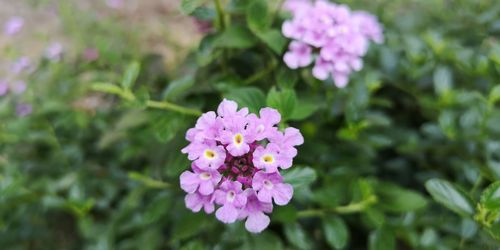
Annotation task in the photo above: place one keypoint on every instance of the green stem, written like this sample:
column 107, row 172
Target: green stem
column 257, row 76
column 347, row 209
column 220, row 14
column 173, row 107
column 277, row 10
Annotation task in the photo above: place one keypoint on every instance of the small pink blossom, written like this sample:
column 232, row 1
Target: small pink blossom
column 23, row 109
column 335, row 36
column 4, row 87
column 236, row 158
column 13, row 26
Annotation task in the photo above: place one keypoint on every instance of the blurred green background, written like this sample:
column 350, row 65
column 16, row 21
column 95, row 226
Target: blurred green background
column 406, row 157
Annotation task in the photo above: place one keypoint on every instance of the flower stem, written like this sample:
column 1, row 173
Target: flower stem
column 173, row 107
column 220, row 14
column 347, row 209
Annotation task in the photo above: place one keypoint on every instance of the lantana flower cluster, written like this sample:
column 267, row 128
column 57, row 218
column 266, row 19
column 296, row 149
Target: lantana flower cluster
column 236, row 158
column 331, row 35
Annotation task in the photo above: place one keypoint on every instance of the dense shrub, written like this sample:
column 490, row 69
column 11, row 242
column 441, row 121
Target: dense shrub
column 406, row 156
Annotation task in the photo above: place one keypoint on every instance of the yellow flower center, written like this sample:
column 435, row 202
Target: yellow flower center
column 210, row 154
column 268, row 158
column 238, row 139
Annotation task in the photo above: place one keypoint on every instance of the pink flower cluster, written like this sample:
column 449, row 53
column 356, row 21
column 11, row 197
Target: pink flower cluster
column 332, row 35
column 236, row 160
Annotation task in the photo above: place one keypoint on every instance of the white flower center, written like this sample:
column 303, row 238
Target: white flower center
column 205, row 176
column 268, row 184
column 230, row 196
column 260, row 128
column 210, row 154
column 238, row 139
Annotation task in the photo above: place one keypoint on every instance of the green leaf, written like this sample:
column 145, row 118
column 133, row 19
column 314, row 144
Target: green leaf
column 300, row 176
column 188, row 6
column 443, row 80
column 257, row 16
column 131, row 74
column 297, row 236
column 167, row 126
column 146, row 180
column 382, row 239
column 396, row 199
column 490, row 198
column 178, row 88
column 250, row 97
column 494, row 95
column 236, row 37
column 285, row 77
column 449, row 196
column 336, row 232
column 284, row 214
column 303, row 110
column 284, row 101
column 107, row 88
column 274, row 39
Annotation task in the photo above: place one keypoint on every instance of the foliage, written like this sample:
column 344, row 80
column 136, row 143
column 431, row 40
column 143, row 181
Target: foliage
column 407, row 156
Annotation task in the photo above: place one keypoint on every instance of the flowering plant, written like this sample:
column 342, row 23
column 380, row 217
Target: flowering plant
column 337, row 37
column 236, row 160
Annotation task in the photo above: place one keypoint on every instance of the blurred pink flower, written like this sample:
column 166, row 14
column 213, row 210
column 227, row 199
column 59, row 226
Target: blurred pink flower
column 54, row 51
column 91, row 54
column 23, row 109
column 115, row 4
column 4, row 87
column 20, row 65
column 13, row 26
column 19, row 87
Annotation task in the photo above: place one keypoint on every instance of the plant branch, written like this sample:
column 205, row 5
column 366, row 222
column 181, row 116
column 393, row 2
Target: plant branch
column 347, row 209
column 173, row 107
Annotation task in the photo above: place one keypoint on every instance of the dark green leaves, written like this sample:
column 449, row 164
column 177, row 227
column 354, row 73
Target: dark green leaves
column 450, row 196
column 283, row 100
column 297, row 236
column 257, row 17
column 236, row 37
column 299, row 176
column 382, row 239
column 250, row 97
column 336, row 232
column 396, row 199
column 443, row 80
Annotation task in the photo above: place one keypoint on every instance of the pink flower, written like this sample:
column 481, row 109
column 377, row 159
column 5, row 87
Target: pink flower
column 232, row 153
column 115, row 4
column 13, row 26
column 54, row 51
column 271, row 187
column 337, row 37
column 254, row 212
column 4, row 87
column 231, row 197
column 23, row 109
column 19, row 87
column 299, row 55
column 20, row 65
column 202, row 181
column 196, row 201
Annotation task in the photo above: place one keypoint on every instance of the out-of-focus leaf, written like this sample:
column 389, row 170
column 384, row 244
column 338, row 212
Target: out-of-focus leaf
column 274, row 39
column 336, row 232
column 490, row 198
column 297, row 236
column 299, row 176
column 303, row 110
column 382, row 239
column 284, row 101
column 443, row 80
column 147, row 181
column 494, row 95
column 449, row 196
column 397, row 199
column 178, row 88
column 107, row 88
column 250, row 97
column 257, row 17
column 236, row 37
column 130, row 75
column 188, row 6
column 286, row 78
